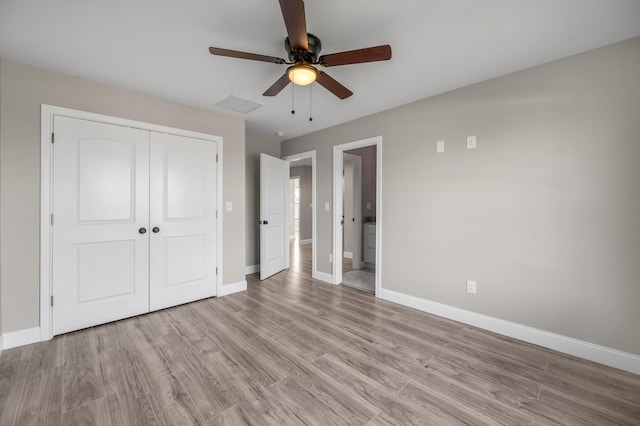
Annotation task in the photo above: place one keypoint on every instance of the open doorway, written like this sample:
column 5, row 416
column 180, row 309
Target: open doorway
column 356, row 214
column 358, row 199
column 351, row 211
column 301, row 222
column 294, row 205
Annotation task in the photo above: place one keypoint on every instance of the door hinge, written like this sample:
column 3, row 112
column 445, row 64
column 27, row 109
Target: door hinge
column 51, row 300
column 53, row 137
column 216, row 270
column 216, row 214
column 216, row 158
column 51, row 219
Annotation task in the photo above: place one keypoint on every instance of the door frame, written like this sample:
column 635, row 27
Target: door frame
column 338, row 158
column 47, row 114
column 356, row 235
column 295, row 157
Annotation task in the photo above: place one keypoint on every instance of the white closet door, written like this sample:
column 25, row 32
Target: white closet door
column 182, row 220
column 100, row 206
column 274, row 240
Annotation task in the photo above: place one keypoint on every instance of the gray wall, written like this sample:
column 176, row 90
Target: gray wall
column 544, row 214
column 304, row 172
column 22, row 90
column 255, row 145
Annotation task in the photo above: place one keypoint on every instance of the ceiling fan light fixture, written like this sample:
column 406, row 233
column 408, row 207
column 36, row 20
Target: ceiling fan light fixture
column 302, row 74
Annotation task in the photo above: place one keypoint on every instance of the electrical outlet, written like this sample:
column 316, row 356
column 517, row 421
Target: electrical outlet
column 439, row 146
column 471, row 287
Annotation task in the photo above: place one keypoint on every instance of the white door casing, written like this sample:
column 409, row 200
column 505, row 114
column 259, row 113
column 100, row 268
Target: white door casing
column 183, row 237
column 274, row 241
column 338, row 158
column 100, row 258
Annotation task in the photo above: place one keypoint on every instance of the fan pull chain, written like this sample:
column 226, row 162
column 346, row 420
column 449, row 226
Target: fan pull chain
column 311, row 102
column 293, row 89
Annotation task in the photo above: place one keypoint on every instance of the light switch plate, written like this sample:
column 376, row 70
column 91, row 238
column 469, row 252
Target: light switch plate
column 439, row 146
column 368, row 206
column 471, row 142
column 326, row 206
column 229, row 206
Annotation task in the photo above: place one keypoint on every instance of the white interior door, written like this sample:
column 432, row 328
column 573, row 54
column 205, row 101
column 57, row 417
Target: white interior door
column 274, row 242
column 100, row 223
column 182, row 220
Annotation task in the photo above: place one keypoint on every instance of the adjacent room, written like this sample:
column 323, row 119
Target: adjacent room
column 320, row 212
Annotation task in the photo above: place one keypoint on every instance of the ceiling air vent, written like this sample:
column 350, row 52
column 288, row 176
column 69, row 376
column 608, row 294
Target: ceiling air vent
column 236, row 104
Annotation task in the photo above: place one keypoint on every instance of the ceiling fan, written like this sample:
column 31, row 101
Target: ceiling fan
column 303, row 50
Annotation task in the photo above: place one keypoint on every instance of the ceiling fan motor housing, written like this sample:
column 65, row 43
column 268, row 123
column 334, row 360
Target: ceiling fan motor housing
column 309, row 56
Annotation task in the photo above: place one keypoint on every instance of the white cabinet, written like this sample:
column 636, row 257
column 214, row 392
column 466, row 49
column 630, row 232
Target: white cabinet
column 370, row 243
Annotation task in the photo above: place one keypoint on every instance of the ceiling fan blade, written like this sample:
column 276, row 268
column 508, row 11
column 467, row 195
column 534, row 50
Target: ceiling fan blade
column 278, row 86
column 244, row 55
column 358, row 56
column 326, row 81
column 295, row 21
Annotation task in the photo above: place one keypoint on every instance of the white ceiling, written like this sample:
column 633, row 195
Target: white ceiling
column 159, row 47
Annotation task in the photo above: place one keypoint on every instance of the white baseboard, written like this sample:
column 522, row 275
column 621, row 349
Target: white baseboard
column 601, row 354
column 20, row 338
column 233, row 288
column 303, row 242
column 348, row 255
column 322, row 276
column 252, row 269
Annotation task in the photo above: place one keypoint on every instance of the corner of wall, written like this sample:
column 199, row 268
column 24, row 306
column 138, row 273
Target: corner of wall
column 251, row 269
column 228, row 289
column 254, row 145
column 20, row 338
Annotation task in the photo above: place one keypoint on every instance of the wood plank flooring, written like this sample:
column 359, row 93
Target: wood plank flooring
column 292, row 350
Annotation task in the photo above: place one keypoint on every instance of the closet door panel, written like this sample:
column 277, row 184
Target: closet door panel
column 183, row 201
column 100, row 260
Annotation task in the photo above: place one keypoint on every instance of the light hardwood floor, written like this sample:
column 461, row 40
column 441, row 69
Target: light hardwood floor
column 296, row 351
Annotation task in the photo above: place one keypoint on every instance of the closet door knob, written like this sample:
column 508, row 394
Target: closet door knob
column 155, row 229
column 142, row 230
